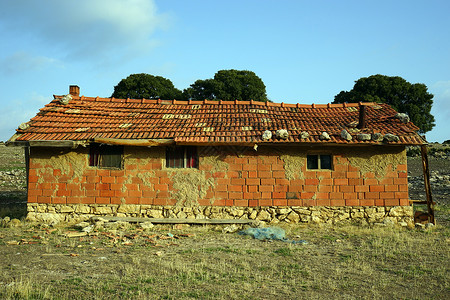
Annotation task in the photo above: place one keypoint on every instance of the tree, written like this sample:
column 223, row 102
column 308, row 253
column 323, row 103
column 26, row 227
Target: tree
column 147, row 86
column 229, row 85
column 413, row 99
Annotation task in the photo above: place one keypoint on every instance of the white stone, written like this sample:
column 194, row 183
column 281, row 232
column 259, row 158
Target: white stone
column 282, row 134
column 324, row 136
column 267, row 135
column 345, row 135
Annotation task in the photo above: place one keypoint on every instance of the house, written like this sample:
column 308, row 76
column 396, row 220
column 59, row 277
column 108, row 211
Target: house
column 275, row 162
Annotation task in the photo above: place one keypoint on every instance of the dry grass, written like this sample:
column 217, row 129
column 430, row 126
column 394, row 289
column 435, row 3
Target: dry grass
column 338, row 263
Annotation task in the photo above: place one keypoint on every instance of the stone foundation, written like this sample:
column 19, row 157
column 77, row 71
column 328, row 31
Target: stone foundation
column 364, row 215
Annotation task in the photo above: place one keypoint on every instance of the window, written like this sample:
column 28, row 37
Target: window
column 181, row 157
column 318, row 162
column 105, row 156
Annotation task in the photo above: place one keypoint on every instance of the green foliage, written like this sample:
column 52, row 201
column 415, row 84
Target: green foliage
column 137, row 86
column 414, row 99
column 228, row 85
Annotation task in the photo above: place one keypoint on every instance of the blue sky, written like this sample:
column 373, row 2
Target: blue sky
column 304, row 51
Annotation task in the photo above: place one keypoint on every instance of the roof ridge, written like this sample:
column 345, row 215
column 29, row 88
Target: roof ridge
column 218, row 102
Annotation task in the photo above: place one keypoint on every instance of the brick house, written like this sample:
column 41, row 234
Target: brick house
column 217, row 159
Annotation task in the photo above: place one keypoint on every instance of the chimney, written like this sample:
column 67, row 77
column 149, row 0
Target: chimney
column 74, row 90
column 362, row 117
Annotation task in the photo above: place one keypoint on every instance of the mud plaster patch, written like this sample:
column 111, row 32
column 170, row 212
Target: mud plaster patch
column 293, row 165
column 189, row 186
column 377, row 161
column 216, row 162
column 67, row 162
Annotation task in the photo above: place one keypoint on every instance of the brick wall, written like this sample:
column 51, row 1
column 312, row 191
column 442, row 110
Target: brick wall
column 270, row 176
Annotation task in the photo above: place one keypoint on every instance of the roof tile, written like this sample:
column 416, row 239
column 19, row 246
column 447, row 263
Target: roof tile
column 210, row 121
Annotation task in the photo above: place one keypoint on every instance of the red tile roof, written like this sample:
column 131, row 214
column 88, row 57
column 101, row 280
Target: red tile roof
column 206, row 122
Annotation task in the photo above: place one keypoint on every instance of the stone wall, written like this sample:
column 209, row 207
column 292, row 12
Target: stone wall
column 227, row 176
column 364, row 215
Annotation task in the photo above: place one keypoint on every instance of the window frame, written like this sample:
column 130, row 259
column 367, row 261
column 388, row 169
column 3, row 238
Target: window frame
column 181, row 157
column 319, row 161
column 99, row 152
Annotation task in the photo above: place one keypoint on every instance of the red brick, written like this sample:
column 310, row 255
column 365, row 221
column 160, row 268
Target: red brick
column 92, row 193
column 219, row 202
column 391, row 174
column 294, row 202
column 44, row 199
column 367, row 202
column 265, row 174
column 379, row 202
column 280, row 188
column 391, row 188
column 247, row 195
column 229, row 202
column 263, row 167
column 372, row 195
column 323, row 195
column 376, row 188
column 32, row 199
column 240, row 202
column 402, row 175
column 277, row 167
column 346, row 188
column 34, row 192
column 350, row 195
column 265, row 188
column 343, row 181
column 278, row 174
column 88, row 200
column 235, row 195
column 400, row 181
column 403, row 188
column 133, row 193
column 62, row 193
column 160, row 201
column 117, row 173
column 279, row 202
column 326, row 181
column 220, row 194
column 323, row 174
column 237, row 181
column 252, row 188
column 102, row 200
column 266, row 195
column 235, row 188
column 249, row 167
column 279, row 195
column 204, row 202
column 102, row 186
column 404, row 202
column 233, row 174
column 162, row 194
column 337, row 202
column 92, row 179
column 73, row 200
column 355, row 181
column 252, row 174
column 402, row 167
column 267, row 181
column 399, row 195
column 361, row 188
column 391, row 202
column 311, row 181
column 336, row 195
column 33, row 178
column 352, row 202
column 306, row 195
column 265, row 202
column 370, row 181
column 369, row 175
column 325, row 188
column 310, row 188
column 387, row 195
column 352, row 168
column 235, row 167
column 77, row 193
column 353, row 175
column 310, row 174
column 281, row 181
column 253, row 202
column 323, row 202
column 59, row 200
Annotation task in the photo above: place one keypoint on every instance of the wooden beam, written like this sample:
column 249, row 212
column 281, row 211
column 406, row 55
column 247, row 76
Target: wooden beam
column 426, row 178
column 172, row 221
column 131, row 142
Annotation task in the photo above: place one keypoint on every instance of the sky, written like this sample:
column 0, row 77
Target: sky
column 304, row 51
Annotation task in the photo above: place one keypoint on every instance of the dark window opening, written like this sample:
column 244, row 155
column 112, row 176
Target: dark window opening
column 105, row 156
column 181, row 157
column 319, row 162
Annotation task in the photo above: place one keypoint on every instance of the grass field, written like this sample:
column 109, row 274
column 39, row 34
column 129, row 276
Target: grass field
column 204, row 263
